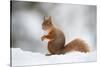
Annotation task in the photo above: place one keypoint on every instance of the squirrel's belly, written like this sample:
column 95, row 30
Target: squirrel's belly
column 54, row 47
column 51, row 48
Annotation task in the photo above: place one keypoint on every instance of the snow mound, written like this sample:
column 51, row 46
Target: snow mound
column 22, row 58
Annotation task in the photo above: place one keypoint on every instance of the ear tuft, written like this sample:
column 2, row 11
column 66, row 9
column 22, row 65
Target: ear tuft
column 49, row 17
column 44, row 17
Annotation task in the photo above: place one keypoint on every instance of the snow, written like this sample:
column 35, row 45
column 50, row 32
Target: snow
column 22, row 58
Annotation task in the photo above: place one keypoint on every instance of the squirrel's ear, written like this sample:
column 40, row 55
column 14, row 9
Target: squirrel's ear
column 50, row 20
column 44, row 17
column 49, row 17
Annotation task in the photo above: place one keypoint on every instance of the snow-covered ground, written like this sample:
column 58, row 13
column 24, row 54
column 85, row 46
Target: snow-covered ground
column 22, row 58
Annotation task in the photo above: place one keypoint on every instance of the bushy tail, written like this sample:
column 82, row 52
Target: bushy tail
column 76, row 45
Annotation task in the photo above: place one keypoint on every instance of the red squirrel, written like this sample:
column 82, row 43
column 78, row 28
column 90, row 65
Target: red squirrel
column 56, row 43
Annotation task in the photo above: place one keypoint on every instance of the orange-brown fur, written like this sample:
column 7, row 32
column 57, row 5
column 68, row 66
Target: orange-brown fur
column 56, row 43
column 76, row 45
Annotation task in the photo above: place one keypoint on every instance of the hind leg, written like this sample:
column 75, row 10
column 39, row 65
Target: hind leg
column 60, row 52
column 49, row 54
column 57, row 53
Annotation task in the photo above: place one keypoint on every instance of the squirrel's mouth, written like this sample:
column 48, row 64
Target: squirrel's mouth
column 44, row 28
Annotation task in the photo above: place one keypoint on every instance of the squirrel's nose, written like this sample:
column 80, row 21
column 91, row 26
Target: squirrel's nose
column 43, row 28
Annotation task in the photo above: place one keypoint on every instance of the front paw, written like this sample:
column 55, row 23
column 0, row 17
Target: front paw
column 43, row 37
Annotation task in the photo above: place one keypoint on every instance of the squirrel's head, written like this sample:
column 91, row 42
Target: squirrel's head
column 47, row 23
